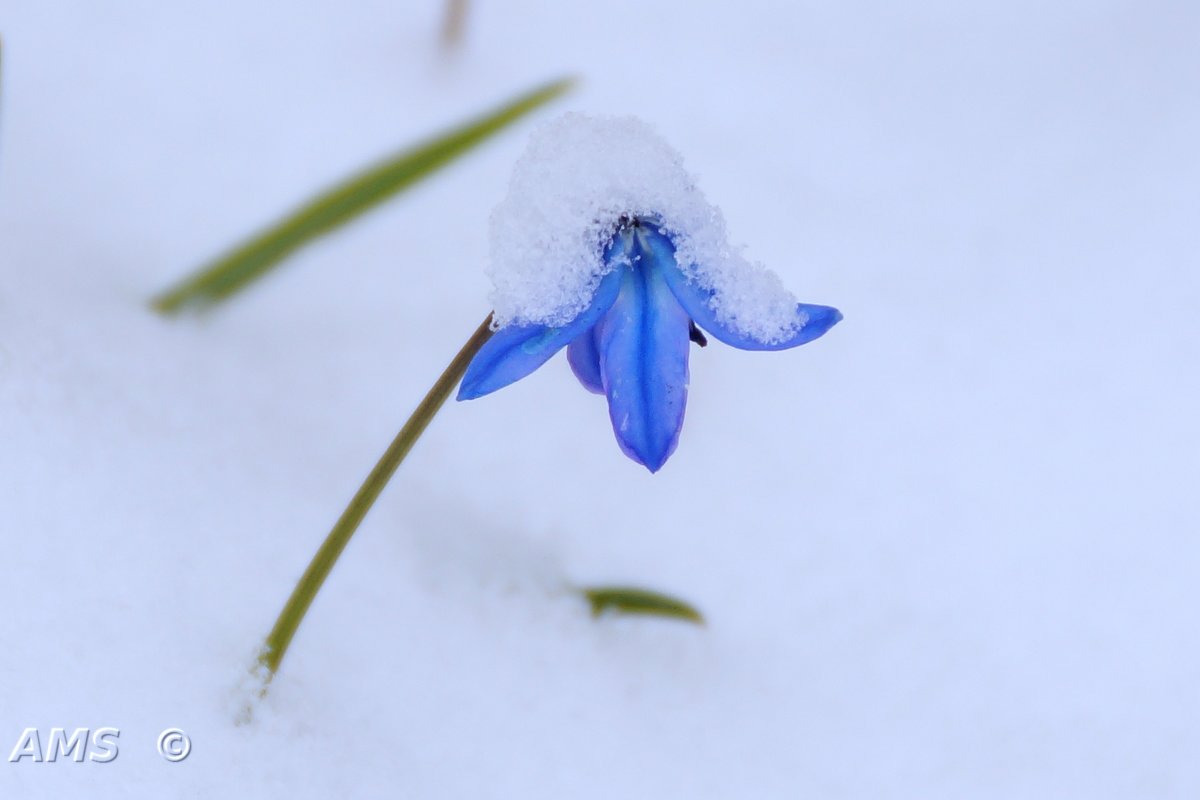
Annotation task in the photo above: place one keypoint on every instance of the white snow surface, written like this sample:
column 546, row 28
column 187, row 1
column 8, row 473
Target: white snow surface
column 948, row 551
column 578, row 177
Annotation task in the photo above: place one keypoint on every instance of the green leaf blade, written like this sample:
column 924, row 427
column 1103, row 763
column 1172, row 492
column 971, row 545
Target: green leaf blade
column 345, row 201
column 632, row 600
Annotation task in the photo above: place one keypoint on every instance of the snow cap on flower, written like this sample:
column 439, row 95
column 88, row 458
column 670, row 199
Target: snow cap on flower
column 579, row 176
column 605, row 247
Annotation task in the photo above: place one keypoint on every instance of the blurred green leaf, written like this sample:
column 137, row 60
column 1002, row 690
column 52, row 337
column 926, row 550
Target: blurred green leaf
column 343, row 202
column 631, row 600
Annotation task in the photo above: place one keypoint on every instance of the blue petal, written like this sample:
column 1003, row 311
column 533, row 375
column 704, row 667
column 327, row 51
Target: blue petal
column 813, row 321
column 514, row 351
column 643, row 344
column 584, row 359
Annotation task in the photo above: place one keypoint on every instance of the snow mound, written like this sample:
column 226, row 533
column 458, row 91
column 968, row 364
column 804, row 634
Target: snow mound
column 577, row 178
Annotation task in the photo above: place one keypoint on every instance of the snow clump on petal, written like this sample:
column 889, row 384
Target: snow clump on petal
column 578, row 177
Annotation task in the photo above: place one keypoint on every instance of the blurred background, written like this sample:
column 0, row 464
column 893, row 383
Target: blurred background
column 947, row 551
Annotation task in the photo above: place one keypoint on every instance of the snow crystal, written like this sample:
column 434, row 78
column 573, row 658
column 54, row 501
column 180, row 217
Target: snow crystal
column 577, row 178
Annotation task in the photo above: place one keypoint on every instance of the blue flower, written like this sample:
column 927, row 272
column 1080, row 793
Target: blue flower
column 631, row 341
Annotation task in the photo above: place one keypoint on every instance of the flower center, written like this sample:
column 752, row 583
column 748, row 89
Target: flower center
column 628, row 236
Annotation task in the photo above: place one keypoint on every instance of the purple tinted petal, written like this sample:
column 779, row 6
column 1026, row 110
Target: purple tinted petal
column 514, row 351
column 812, row 321
column 643, row 344
column 584, row 359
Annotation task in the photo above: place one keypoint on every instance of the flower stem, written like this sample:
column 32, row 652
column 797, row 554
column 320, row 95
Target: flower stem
column 453, row 22
column 318, row 569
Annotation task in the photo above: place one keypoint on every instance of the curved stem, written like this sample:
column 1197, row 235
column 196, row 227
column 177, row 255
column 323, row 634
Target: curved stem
column 310, row 583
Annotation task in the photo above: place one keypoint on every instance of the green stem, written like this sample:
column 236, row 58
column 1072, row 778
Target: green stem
column 310, row 583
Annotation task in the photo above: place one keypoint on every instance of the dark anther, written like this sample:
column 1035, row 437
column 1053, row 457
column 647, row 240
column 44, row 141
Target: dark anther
column 696, row 336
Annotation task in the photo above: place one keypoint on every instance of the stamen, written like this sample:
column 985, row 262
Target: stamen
column 696, row 335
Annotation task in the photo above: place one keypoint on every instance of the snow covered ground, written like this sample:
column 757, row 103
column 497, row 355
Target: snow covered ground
column 950, row 550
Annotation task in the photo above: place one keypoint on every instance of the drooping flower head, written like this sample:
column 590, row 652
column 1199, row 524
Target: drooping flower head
column 605, row 246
